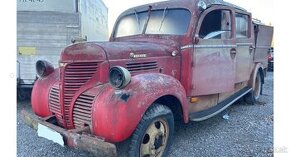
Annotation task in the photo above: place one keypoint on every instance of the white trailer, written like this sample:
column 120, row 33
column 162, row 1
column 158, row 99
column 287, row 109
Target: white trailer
column 45, row 27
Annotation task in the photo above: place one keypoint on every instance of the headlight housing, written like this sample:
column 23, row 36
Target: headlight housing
column 43, row 68
column 119, row 77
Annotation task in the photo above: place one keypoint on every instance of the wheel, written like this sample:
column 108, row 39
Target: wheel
column 154, row 134
column 253, row 96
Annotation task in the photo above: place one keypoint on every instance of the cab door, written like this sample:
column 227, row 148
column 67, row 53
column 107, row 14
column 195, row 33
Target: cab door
column 214, row 55
column 245, row 46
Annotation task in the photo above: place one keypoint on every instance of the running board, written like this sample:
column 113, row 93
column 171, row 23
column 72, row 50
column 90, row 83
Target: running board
column 203, row 115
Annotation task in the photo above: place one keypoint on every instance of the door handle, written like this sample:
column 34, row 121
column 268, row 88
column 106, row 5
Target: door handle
column 251, row 48
column 233, row 51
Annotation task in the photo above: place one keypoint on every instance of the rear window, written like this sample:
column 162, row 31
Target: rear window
column 242, row 26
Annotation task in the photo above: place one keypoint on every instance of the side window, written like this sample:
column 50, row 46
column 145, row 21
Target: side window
column 242, row 26
column 216, row 25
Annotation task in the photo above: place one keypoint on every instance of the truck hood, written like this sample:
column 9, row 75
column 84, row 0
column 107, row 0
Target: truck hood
column 92, row 51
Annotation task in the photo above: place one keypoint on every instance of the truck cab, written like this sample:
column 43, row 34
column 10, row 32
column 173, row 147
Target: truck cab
column 169, row 60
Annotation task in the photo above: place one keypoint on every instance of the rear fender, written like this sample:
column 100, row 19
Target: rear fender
column 116, row 113
column 257, row 67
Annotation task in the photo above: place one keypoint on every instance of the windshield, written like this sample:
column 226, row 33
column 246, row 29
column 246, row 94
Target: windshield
column 163, row 21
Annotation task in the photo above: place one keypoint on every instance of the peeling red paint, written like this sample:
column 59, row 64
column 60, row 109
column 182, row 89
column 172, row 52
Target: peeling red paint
column 181, row 66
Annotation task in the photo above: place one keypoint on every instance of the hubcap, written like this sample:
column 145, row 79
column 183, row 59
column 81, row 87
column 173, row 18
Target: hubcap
column 155, row 139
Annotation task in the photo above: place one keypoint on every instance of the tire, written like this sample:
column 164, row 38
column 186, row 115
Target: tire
column 154, row 134
column 254, row 95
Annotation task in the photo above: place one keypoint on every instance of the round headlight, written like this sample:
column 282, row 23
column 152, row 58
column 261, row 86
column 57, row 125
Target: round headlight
column 43, row 68
column 119, row 77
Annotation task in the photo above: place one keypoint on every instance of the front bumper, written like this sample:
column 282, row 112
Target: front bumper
column 73, row 138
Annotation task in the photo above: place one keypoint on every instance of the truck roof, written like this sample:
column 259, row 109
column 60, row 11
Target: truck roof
column 189, row 4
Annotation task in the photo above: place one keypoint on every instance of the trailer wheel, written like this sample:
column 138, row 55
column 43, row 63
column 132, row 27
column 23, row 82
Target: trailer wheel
column 154, row 134
column 254, row 95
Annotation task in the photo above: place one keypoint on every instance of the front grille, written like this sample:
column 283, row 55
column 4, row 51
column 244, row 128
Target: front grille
column 82, row 110
column 141, row 66
column 54, row 104
column 75, row 76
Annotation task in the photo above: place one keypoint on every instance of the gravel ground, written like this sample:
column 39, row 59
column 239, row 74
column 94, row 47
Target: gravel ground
column 247, row 132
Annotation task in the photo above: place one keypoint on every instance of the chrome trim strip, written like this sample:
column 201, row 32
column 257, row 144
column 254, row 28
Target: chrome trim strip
column 223, row 108
column 220, row 46
column 215, row 46
column 244, row 44
column 263, row 47
column 186, row 47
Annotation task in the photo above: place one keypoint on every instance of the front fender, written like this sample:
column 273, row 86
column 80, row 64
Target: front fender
column 40, row 92
column 116, row 113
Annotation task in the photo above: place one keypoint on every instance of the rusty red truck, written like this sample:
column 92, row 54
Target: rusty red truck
column 187, row 60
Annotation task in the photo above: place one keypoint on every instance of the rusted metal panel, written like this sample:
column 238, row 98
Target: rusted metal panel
column 213, row 62
column 238, row 87
column 245, row 45
column 213, row 68
column 203, row 103
column 244, row 60
column 74, row 138
column 263, row 39
column 126, row 107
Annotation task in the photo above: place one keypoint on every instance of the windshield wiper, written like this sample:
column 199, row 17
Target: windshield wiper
column 163, row 17
column 137, row 18
column 147, row 20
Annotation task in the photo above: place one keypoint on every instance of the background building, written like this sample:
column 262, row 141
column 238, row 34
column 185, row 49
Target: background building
column 45, row 27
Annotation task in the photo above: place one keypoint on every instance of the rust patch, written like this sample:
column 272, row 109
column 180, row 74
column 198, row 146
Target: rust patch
column 77, row 138
column 125, row 97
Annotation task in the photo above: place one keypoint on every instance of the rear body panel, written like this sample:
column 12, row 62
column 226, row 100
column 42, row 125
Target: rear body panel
column 263, row 43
